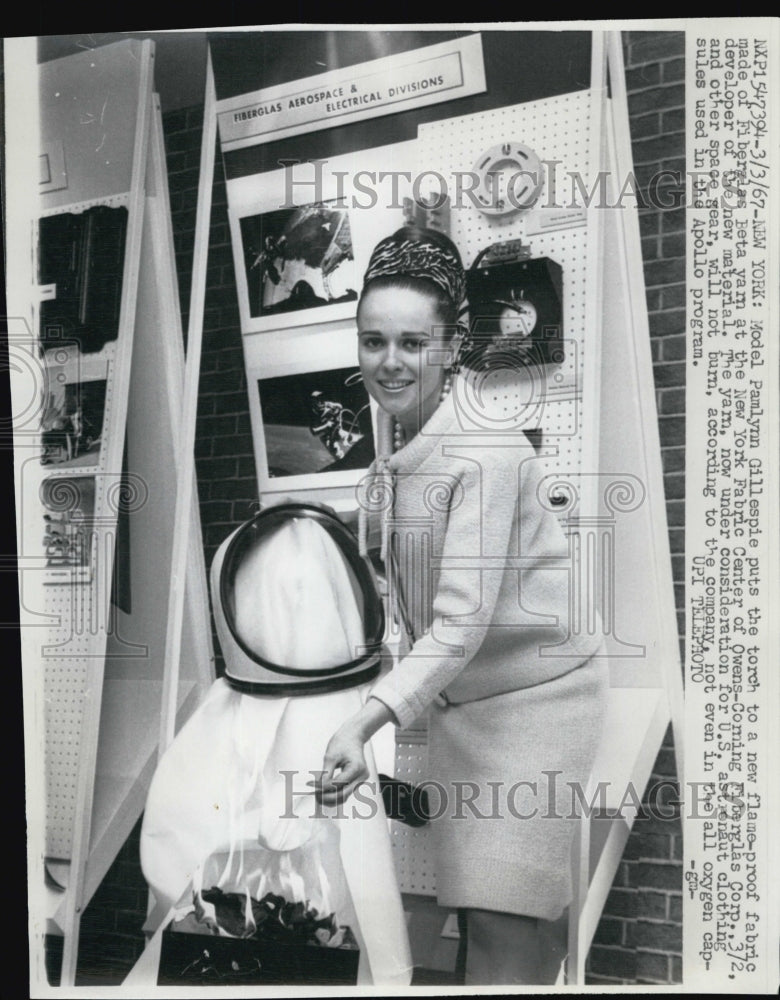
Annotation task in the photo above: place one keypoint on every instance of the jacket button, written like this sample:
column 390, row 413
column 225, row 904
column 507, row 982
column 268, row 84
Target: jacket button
column 442, row 700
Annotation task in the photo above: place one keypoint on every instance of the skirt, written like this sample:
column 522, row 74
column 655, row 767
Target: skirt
column 506, row 771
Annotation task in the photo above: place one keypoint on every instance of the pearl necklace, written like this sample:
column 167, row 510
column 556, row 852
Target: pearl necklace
column 399, row 435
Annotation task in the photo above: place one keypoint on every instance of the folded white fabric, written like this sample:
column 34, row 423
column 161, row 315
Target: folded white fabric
column 234, row 775
column 233, row 785
column 295, row 604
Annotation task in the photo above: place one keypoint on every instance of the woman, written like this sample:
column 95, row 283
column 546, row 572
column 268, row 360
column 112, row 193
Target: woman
column 478, row 572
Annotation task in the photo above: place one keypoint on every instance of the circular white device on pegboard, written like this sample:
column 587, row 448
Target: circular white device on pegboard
column 497, row 196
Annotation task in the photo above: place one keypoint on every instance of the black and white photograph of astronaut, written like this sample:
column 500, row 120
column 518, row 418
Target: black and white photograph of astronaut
column 316, row 422
column 298, row 258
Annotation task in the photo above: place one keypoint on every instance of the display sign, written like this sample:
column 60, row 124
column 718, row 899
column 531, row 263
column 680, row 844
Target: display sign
column 384, row 86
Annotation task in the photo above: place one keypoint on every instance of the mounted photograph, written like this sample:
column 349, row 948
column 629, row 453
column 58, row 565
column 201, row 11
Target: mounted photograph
column 299, row 258
column 69, row 510
column 72, row 424
column 316, row 422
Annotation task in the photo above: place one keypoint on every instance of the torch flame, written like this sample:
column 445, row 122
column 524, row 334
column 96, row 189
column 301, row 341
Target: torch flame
column 249, row 919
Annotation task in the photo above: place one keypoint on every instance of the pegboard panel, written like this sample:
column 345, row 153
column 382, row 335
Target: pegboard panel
column 71, row 635
column 74, row 640
column 77, row 609
column 65, row 686
column 559, row 130
column 549, row 400
column 556, row 412
column 74, row 643
column 411, row 845
column 95, row 110
column 110, row 201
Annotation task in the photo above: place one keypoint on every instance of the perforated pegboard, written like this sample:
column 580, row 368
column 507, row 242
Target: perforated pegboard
column 76, row 599
column 76, row 208
column 89, row 109
column 75, row 639
column 559, row 130
column 64, row 685
column 411, row 847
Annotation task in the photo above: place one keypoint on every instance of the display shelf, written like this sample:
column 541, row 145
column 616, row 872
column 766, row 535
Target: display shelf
column 106, row 683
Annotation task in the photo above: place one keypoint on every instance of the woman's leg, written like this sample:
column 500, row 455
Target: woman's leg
column 507, row 949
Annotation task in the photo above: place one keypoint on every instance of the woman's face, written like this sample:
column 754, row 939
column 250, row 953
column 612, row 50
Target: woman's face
column 401, row 352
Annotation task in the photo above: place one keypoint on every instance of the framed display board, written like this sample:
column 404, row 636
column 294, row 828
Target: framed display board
column 311, row 415
column 95, row 466
column 302, row 236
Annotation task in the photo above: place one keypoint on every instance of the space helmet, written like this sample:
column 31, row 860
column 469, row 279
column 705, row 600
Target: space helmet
column 296, row 606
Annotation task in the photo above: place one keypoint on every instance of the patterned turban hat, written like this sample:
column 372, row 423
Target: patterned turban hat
column 419, row 253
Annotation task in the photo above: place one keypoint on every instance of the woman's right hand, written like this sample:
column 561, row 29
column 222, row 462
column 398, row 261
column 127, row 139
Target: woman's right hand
column 344, row 766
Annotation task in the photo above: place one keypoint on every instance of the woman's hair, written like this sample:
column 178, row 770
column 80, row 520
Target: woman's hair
column 424, row 260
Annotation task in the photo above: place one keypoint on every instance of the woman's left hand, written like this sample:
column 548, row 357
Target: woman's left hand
column 344, row 767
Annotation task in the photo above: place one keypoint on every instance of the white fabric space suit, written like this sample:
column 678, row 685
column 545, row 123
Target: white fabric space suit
column 300, row 624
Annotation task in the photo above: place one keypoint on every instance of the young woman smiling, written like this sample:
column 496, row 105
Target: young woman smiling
column 514, row 696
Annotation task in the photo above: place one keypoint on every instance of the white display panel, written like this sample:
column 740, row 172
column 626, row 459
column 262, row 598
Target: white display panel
column 559, row 130
column 344, row 188
column 286, row 376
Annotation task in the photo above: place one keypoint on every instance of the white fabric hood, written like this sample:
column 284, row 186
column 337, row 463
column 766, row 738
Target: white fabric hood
column 295, row 605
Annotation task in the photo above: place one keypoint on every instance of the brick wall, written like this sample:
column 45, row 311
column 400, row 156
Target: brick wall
column 227, row 482
column 111, row 938
column 639, row 937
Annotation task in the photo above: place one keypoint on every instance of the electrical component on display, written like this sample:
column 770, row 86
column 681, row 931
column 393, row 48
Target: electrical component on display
column 500, row 193
column 515, row 308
